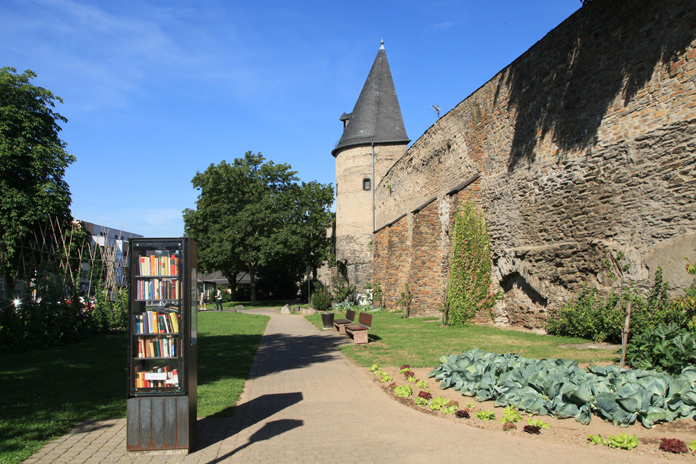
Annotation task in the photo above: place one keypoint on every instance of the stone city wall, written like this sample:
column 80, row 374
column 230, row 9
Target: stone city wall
column 584, row 147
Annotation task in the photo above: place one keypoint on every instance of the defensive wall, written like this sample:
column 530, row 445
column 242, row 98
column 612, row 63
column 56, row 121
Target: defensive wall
column 580, row 151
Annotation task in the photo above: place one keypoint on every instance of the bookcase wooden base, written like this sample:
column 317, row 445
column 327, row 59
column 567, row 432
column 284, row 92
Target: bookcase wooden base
column 160, row 423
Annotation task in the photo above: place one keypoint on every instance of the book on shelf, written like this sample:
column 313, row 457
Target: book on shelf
column 157, row 377
column 153, row 265
column 160, row 347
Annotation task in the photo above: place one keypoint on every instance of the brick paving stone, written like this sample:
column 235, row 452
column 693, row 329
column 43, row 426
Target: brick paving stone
column 305, row 402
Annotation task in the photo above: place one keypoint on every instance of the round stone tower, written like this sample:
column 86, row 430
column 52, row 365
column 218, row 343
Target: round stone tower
column 373, row 138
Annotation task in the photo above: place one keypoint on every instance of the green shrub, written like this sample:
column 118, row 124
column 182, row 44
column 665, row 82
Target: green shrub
column 667, row 348
column 321, row 299
column 343, row 291
column 590, row 317
column 601, row 319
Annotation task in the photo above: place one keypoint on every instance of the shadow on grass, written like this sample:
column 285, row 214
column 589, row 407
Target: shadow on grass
column 46, row 392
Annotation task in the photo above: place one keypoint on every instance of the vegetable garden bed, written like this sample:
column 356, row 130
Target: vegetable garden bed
column 564, row 431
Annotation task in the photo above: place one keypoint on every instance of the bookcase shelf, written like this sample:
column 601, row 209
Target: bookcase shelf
column 162, row 360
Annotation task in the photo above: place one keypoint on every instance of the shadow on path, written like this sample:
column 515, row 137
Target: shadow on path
column 279, row 352
column 268, row 431
column 212, row 430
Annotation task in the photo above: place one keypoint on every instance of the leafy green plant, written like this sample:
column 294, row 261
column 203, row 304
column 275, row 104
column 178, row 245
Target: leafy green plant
column 692, row 446
column 601, row 319
column 386, row 378
column 597, row 440
column 469, row 285
column 437, row 403
column 470, row 405
column 667, row 348
column 374, row 368
column 420, row 401
column 403, row 391
column 450, row 408
column 376, row 294
column 404, row 301
column 412, row 379
column 321, row 299
column 422, row 384
column 538, row 423
column 623, row 441
column 559, row 388
column 510, row 414
column 342, row 290
column 485, row 415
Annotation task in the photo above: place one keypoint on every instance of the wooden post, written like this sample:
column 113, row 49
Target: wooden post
column 624, row 335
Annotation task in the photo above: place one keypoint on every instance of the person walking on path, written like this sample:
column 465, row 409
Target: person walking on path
column 218, row 300
column 201, row 301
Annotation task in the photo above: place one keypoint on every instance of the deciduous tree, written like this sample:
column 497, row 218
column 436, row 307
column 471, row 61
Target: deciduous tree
column 252, row 216
column 33, row 160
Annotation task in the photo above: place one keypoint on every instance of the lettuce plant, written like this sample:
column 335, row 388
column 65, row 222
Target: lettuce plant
column 673, row 445
column 623, row 441
column 437, row 403
column 386, row 378
column 420, row 401
column 425, row 395
column 412, row 379
column 422, row 384
column 374, row 368
column 597, row 440
column 538, row 423
column 533, row 429
column 449, row 409
column 510, row 414
column 485, row 415
column 462, row 414
column 403, row 391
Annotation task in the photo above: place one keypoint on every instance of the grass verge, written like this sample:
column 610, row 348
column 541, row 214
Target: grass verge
column 46, row 392
column 420, row 342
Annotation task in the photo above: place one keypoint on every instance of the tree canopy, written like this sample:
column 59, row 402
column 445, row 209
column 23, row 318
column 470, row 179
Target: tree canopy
column 254, row 216
column 33, row 160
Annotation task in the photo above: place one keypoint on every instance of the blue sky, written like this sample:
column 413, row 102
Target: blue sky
column 155, row 90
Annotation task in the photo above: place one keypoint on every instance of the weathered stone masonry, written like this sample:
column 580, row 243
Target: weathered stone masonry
column 585, row 146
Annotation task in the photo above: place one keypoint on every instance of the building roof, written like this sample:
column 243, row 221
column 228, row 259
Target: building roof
column 376, row 117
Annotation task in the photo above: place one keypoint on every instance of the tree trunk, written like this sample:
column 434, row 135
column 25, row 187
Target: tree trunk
column 252, row 277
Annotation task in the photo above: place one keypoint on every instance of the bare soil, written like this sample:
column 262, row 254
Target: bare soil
column 564, row 431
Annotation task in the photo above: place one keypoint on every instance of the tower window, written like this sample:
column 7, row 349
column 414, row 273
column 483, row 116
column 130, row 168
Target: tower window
column 367, row 183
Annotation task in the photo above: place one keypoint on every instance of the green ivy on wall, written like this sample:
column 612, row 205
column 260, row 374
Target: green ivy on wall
column 469, row 286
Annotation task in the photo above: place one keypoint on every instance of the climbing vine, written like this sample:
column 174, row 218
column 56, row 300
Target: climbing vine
column 469, row 286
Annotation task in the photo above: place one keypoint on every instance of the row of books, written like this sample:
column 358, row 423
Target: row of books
column 157, row 377
column 154, row 322
column 158, row 289
column 165, row 347
column 159, row 265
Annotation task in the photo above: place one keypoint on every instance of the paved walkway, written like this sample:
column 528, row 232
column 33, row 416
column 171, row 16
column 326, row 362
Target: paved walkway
column 305, row 402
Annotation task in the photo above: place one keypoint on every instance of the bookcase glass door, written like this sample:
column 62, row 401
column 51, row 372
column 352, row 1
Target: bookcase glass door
column 158, row 318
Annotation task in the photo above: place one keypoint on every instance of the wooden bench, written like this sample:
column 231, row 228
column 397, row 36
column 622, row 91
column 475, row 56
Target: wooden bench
column 359, row 330
column 340, row 324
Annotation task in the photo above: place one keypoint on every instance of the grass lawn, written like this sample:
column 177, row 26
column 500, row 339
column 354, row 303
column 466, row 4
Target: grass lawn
column 44, row 393
column 395, row 341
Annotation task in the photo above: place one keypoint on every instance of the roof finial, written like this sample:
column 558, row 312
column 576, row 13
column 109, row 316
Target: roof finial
column 382, row 44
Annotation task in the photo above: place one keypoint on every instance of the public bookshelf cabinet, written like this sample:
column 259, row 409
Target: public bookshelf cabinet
column 162, row 346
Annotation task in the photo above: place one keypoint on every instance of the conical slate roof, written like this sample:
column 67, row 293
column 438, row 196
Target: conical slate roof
column 376, row 117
